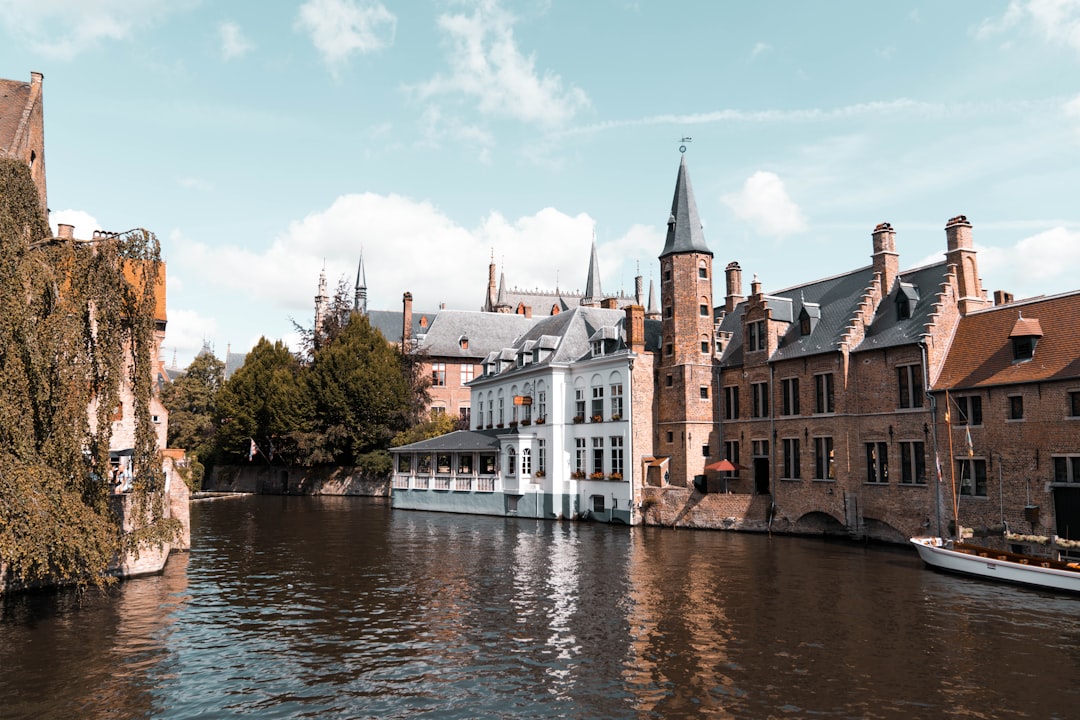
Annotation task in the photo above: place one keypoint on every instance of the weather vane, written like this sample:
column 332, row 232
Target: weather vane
column 682, row 147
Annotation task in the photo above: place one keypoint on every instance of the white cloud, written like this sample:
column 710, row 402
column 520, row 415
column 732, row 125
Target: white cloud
column 760, row 48
column 486, row 65
column 764, row 203
column 84, row 223
column 1041, row 264
column 186, row 332
column 234, row 43
column 339, row 28
column 1055, row 20
column 62, row 30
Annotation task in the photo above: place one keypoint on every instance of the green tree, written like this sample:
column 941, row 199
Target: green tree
column 191, row 401
column 264, row 400
column 439, row 424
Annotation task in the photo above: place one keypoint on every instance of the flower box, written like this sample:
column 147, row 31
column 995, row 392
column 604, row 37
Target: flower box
column 577, row 475
column 541, row 421
column 578, row 419
column 513, row 424
column 526, row 422
column 598, row 418
column 617, row 477
column 539, row 473
column 616, row 417
column 596, row 476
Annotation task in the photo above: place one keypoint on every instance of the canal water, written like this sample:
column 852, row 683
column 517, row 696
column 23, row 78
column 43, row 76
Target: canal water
column 302, row 607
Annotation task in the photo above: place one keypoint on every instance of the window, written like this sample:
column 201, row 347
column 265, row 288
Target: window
column 824, row 460
column 669, row 349
column 759, row 448
column 1067, row 469
column 487, row 464
column 526, row 461
column 616, row 401
column 511, row 461
column 705, row 451
column 760, row 394
column 442, row 463
column 464, row 464
column 438, row 374
column 502, row 410
column 702, row 271
column 731, row 402
column 579, row 403
column 667, row 274
column 465, row 413
column 1024, row 347
column 617, row 455
column 467, row 371
column 598, row 455
column 541, row 404
column 968, row 410
column 755, row 333
column 704, row 392
column 670, row 437
column 804, row 325
column 877, row 462
column 437, row 410
column 912, row 463
column 910, row 384
column 423, row 464
column 1074, row 403
column 972, row 473
column 404, row 463
column 541, row 455
column 704, row 347
column 792, row 466
column 597, row 503
column 790, row 388
column 667, row 311
column 669, row 382
column 823, row 393
column 731, row 452
column 1016, row 407
column 598, row 401
column 703, row 310
column 579, row 456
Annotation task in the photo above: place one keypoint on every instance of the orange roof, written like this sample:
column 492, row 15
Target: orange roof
column 982, row 353
column 14, row 96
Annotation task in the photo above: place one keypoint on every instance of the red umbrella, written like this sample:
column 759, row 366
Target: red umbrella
column 724, row 465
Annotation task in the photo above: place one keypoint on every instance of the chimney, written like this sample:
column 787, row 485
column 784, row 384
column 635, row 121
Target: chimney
column 528, row 311
column 610, row 303
column 755, row 287
column 885, row 258
column 635, row 328
column 1002, row 298
column 65, row 231
column 406, row 320
column 961, row 255
column 734, row 286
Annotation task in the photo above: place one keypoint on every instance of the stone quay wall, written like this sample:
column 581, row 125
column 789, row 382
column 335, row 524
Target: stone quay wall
column 267, row 480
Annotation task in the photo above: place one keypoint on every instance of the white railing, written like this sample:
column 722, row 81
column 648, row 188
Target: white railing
column 485, row 484
column 442, row 483
column 421, row 483
column 463, row 484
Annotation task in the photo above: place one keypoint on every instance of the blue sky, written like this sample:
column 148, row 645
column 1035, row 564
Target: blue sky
column 263, row 141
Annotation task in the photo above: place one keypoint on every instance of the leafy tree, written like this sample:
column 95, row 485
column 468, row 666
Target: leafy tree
column 264, row 400
column 191, row 401
column 439, row 424
column 360, row 394
column 76, row 321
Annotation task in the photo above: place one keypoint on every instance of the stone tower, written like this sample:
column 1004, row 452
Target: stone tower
column 686, row 422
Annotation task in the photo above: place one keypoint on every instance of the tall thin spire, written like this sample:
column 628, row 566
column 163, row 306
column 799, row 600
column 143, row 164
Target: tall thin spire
column 593, row 293
column 322, row 303
column 360, row 298
column 652, row 313
column 684, row 234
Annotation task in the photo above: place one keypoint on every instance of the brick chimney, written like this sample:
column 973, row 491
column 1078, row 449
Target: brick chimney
column 406, row 320
column 65, row 231
column 610, row 303
column 734, row 286
column 961, row 255
column 635, row 328
column 1002, row 298
column 885, row 258
column 755, row 287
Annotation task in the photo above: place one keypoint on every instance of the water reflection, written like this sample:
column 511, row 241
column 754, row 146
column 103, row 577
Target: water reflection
column 342, row 608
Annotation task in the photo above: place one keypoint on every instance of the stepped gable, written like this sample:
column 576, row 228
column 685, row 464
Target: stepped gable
column 981, row 354
column 835, row 303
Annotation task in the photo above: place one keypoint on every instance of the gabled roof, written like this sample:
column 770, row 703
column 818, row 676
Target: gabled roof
column 981, row 354
column 684, row 233
column 485, row 332
column 389, row 322
column 835, row 301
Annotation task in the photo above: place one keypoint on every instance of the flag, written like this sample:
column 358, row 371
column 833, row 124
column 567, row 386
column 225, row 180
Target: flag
column 252, row 450
column 967, row 433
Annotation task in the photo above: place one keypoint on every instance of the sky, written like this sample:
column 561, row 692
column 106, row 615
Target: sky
column 266, row 142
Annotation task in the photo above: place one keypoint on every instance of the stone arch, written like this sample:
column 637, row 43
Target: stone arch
column 819, row 522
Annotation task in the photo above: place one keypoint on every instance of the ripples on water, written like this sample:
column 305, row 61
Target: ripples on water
column 342, row 608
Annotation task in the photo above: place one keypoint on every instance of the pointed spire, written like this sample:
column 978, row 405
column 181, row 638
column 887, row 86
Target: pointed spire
column 322, row 302
column 684, row 234
column 593, row 293
column 360, row 298
column 491, row 298
column 652, row 313
column 502, row 305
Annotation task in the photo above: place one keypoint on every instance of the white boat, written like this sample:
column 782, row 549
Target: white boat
column 998, row 564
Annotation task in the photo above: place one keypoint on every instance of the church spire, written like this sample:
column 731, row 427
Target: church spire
column 322, row 303
column 502, row 305
column 652, row 313
column 360, row 298
column 684, row 234
column 593, row 293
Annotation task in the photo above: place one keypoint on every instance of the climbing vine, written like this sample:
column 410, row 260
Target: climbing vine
column 77, row 321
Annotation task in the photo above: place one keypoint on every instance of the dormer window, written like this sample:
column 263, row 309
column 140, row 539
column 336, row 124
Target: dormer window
column 1025, row 335
column 463, row 342
column 907, row 297
column 808, row 318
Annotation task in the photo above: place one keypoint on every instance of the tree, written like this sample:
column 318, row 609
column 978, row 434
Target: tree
column 76, row 321
column 266, row 401
column 191, row 400
column 439, row 424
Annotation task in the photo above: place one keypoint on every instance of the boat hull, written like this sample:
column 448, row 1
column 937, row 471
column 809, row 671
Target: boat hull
column 996, row 565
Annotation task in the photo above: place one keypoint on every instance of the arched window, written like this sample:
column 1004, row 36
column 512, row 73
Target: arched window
column 502, row 409
column 526, row 461
column 511, row 461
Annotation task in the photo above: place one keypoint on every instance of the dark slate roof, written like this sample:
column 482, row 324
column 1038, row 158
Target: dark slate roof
column 981, row 353
column 388, row 322
column 233, row 362
column 835, row 300
column 457, row 441
column 684, row 226
column 485, row 331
